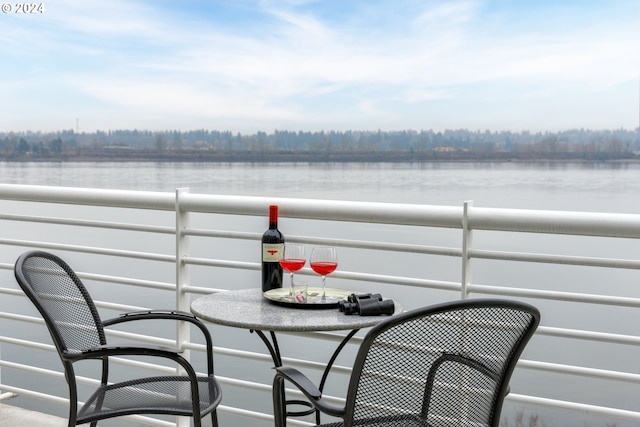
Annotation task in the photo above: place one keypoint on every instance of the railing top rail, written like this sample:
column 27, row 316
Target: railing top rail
column 389, row 213
column 555, row 222
column 332, row 210
column 88, row 196
column 479, row 218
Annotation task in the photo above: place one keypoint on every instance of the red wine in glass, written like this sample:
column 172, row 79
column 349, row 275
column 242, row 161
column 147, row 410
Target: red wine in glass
column 292, row 265
column 323, row 261
column 292, row 261
column 324, row 268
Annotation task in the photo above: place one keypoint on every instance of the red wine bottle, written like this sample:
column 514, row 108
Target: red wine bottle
column 272, row 252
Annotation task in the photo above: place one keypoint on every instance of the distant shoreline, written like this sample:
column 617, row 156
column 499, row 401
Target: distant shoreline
column 487, row 161
column 408, row 146
column 192, row 156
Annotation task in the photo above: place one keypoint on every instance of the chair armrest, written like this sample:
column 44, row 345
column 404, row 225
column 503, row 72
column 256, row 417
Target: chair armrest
column 108, row 350
column 162, row 314
column 304, row 384
column 152, row 314
column 170, row 315
column 123, row 350
column 300, row 380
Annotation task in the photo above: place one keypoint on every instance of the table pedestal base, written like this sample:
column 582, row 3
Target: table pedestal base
column 271, row 343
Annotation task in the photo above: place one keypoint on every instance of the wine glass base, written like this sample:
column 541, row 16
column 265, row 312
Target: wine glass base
column 325, row 300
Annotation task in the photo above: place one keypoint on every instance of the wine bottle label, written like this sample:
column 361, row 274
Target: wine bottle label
column 272, row 252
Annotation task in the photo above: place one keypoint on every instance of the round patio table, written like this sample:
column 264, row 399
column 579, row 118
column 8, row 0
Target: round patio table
column 249, row 309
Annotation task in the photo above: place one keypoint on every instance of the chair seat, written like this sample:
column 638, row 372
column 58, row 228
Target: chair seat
column 169, row 395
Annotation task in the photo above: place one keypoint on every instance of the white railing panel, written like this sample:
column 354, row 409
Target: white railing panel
column 194, row 251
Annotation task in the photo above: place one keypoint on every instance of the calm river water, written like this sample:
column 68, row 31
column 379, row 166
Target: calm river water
column 556, row 186
column 577, row 187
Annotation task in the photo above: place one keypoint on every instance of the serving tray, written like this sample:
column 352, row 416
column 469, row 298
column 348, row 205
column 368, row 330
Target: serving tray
column 280, row 296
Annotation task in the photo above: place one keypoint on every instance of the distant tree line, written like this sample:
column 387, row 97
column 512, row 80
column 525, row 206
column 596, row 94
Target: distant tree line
column 392, row 146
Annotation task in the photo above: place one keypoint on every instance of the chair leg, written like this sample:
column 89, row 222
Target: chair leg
column 214, row 419
column 279, row 405
column 73, row 401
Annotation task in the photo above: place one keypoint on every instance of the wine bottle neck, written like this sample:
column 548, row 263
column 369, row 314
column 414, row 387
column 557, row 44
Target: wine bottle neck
column 273, row 216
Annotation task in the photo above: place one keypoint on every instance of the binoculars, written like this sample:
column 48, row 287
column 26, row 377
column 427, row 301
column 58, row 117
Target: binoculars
column 366, row 305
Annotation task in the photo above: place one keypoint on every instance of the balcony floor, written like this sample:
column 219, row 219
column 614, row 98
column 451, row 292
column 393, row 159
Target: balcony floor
column 18, row 417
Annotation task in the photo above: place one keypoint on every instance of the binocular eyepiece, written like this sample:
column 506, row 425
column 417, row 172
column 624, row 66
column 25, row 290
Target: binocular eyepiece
column 366, row 305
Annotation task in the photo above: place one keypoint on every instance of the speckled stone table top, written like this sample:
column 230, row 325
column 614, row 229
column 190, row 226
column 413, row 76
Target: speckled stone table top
column 248, row 309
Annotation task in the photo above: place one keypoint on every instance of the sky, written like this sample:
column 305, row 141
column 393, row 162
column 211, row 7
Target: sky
column 297, row 65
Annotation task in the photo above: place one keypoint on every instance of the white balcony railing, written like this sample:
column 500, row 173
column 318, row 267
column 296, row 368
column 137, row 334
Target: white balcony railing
column 139, row 250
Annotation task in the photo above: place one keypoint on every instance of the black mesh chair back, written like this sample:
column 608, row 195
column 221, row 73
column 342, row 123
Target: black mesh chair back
column 79, row 334
column 441, row 366
column 447, row 366
column 63, row 301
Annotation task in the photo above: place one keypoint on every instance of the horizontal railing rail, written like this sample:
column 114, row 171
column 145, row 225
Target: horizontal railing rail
column 418, row 254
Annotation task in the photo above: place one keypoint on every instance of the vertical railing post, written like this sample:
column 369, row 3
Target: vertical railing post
column 466, row 247
column 465, row 281
column 183, row 333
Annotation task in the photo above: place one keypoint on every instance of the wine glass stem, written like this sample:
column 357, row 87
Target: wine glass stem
column 291, row 286
column 323, row 294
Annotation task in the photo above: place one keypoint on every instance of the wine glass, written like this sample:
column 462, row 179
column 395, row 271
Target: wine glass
column 292, row 261
column 324, row 260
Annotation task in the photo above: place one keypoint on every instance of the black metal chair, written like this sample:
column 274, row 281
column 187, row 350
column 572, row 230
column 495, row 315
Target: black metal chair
column 443, row 365
column 78, row 333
